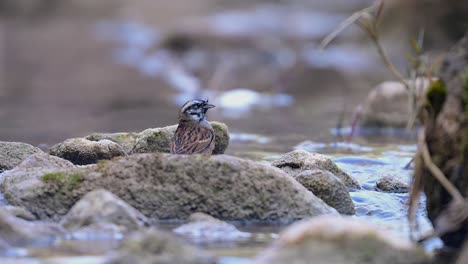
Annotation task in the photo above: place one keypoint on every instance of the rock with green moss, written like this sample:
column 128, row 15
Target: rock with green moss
column 387, row 104
column 154, row 140
column 13, row 153
column 297, row 161
column 159, row 139
column 126, row 140
column 153, row 246
column 82, row 151
column 100, row 206
column 168, row 187
column 21, row 181
column 329, row 188
column 340, row 240
column 31, row 169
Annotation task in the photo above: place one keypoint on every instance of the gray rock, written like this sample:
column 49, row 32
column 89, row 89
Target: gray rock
column 391, row 183
column 101, row 206
column 13, row 153
column 163, row 186
column 297, row 161
column 18, row 212
column 153, row 246
column 159, row 139
column 17, row 232
column 387, row 104
column 329, row 188
column 82, row 151
column 28, row 175
column 205, row 228
column 329, row 239
column 126, row 140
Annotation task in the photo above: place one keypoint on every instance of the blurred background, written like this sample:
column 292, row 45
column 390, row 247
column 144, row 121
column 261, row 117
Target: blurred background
column 72, row 67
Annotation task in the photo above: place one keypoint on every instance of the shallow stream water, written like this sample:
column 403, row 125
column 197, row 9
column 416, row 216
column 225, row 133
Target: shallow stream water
column 366, row 162
column 264, row 123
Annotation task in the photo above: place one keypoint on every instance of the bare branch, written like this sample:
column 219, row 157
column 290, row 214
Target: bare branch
column 435, row 171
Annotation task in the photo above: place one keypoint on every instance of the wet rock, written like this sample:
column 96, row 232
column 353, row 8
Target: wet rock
column 13, row 153
column 391, row 183
column 297, row 161
column 101, row 206
column 329, row 239
column 205, row 228
column 159, row 139
column 18, row 212
column 16, row 231
column 152, row 246
column 163, row 186
column 387, row 104
column 329, row 188
column 99, row 230
column 125, row 140
column 82, row 151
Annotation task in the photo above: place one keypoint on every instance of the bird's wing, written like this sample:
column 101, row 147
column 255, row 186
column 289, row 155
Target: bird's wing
column 197, row 140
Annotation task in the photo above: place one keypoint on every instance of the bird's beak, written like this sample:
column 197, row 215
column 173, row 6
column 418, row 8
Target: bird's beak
column 208, row 106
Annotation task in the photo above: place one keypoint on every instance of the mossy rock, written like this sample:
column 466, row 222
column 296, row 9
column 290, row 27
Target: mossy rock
column 171, row 187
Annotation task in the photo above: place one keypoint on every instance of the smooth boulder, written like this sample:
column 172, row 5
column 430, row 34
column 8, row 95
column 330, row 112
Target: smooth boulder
column 329, row 188
column 100, row 206
column 297, row 161
column 13, row 153
column 82, row 151
column 152, row 246
column 167, row 187
column 340, row 240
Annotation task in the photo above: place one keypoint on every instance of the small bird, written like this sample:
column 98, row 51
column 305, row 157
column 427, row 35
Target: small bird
column 194, row 135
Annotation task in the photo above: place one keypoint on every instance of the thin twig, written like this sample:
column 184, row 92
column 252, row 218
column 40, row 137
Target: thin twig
column 388, row 63
column 346, row 23
column 436, row 172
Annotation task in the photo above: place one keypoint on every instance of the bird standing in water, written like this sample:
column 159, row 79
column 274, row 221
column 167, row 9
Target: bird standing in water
column 194, row 135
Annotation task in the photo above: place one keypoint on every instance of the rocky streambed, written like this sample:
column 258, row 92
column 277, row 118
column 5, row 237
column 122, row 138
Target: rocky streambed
column 119, row 198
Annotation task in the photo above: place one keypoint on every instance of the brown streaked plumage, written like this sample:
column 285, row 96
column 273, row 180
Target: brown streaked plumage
column 194, row 135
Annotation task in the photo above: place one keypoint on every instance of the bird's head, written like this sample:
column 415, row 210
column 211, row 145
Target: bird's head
column 194, row 110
